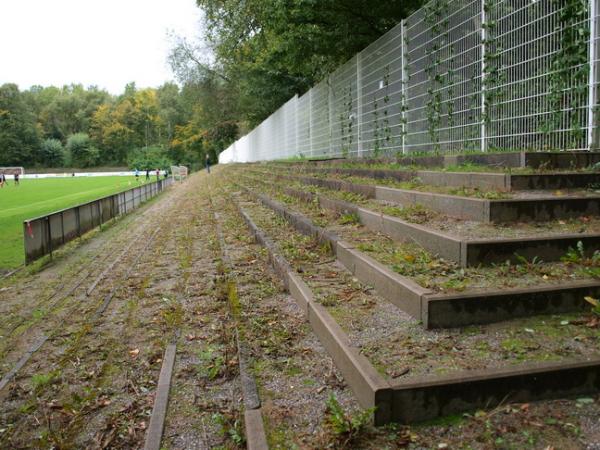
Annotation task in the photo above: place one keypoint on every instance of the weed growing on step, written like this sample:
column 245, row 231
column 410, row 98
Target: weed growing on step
column 345, row 430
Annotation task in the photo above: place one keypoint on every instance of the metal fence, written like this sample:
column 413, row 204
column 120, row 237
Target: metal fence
column 45, row 234
column 456, row 75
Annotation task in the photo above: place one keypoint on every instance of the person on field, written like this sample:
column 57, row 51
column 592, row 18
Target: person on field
column 16, row 179
column 2, row 179
column 207, row 163
column 137, row 175
column 147, row 174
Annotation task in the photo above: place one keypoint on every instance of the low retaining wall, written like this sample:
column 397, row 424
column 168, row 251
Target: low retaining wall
column 42, row 235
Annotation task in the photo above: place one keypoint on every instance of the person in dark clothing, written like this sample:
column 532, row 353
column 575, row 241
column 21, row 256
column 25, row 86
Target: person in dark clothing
column 16, row 179
column 147, row 174
column 207, row 163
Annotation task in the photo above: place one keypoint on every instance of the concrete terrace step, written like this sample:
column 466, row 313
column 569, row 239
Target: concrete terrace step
column 479, row 180
column 547, row 160
column 442, row 310
column 466, row 252
column 416, row 400
column 482, row 210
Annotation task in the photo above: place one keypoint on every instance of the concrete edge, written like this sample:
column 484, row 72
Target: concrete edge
column 256, row 438
column 161, row 400
column 370, row 388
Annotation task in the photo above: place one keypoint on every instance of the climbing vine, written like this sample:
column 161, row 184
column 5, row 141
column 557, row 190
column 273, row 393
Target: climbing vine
column 346, row 122
column 436, row 13
column 493, row 75
column 569, row 70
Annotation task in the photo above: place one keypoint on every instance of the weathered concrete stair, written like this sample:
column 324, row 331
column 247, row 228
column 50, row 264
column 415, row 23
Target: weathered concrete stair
column 416, row 400
column 467, row 208
column 466, row 252
column 478, row 180
column 442, row 310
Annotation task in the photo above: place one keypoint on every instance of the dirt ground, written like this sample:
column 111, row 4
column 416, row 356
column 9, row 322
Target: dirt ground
column 87, row 332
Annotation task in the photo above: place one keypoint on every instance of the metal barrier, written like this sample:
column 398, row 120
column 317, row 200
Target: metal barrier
column 45, row 234
column 456, row 75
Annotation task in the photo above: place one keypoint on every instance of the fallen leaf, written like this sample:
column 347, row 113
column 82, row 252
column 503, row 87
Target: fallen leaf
column 134, row 352
column 525, row 407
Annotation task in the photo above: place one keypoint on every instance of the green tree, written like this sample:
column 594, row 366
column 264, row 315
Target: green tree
column 19, row 134
column 149, row 158
column 272, row 49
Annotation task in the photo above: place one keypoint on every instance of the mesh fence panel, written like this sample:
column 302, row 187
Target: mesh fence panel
column 456, row 75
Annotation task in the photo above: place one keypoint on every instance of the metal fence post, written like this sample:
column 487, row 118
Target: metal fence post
column 483, row 143
column 49, row 228
column 296, row 149
column 310, row 123
column 78, row 216
column 359, row 108
column 62, row 226
column 330, row 111
column 592, row 94
column 404, row 82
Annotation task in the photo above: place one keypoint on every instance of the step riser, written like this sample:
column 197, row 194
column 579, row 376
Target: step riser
column 493, row 388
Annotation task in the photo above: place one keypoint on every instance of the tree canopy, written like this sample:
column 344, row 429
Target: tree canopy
column 84, row 127
column 266, row 51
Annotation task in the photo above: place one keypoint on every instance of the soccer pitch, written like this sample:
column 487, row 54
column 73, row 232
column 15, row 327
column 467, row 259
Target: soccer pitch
column 37, row 197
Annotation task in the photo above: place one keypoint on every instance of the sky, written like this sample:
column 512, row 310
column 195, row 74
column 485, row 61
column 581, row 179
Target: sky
column 107, row 43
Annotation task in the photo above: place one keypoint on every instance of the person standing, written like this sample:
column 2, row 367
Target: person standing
column 2, row 179
column 16, row 178
column 207, row 163
column 137, row 175
column 157, row 174
column 147, row 174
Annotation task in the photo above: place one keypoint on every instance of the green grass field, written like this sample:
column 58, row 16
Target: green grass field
column 37, row 197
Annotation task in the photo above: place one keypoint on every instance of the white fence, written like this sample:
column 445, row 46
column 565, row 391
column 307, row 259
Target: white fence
column 456, row 75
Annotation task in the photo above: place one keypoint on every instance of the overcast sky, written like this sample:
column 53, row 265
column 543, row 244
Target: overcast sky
column 107, row 43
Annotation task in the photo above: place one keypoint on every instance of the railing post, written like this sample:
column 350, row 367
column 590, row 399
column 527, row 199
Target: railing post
column 359, row 108
column 404, row 82
column 483, row 143
column 592, row 135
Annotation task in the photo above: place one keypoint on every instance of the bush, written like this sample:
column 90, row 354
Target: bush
column 52, row 153
column 149, row 158
column 82, row 152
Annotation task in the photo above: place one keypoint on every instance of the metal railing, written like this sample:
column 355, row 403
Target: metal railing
column 456, row 75
column 45, row 234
